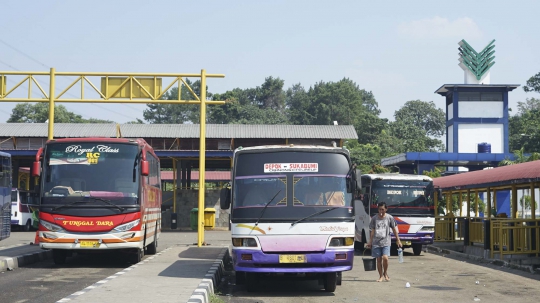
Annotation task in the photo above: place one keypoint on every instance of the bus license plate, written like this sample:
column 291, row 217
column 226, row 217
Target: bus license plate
column 292, row 259
column 90, row 244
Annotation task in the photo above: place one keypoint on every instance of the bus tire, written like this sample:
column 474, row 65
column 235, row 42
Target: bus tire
column 339, row 277
column 251, row 281
column 330, row 282
column 59, row 256
column 137, row 255
column 152, row 248
column 240, row 278
column 28, row 225
column 417, row 249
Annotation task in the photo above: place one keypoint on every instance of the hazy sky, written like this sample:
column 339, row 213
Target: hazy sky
column 399, row 50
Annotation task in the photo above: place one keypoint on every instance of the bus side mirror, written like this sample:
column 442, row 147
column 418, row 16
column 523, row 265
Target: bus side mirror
column 225, row 198
column 36, row 167
column 145, row 171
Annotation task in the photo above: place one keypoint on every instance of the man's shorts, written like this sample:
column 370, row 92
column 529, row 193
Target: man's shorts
column 377, row 252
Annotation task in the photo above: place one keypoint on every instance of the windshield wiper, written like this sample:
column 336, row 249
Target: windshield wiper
column 94, row 198
column 106, row 201
column 264, row 209
column 69, row 204
column 313, row 215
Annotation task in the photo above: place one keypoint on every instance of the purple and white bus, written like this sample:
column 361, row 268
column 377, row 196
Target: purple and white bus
column 292, row 213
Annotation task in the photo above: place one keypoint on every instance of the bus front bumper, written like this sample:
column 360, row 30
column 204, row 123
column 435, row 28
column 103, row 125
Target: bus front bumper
column 423, row 238
column 250, row 260
column 90, row 241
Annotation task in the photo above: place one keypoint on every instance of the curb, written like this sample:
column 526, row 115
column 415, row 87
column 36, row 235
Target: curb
column 526, row 268
column 211, row 280
column 11, row 263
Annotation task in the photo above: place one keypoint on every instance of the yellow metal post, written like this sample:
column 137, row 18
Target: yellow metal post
column 51, row 104
column 202, row 159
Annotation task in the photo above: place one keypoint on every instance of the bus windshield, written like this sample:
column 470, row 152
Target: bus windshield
column 91, row 169
column 402, row 193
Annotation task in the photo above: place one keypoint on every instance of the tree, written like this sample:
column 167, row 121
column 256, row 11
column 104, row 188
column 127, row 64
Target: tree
column 176, row 113
column 524, row 127
column 418, row 125
column 39, row 113
column 533, row 84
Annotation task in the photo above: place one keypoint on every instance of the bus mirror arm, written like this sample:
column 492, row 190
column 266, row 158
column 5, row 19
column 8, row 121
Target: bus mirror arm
column 144, row 168
column 36, row 166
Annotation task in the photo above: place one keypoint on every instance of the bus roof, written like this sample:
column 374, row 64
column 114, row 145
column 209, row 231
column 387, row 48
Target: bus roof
column 397, row 177
column 3, row 154
column 98, row 139
column 291, row 147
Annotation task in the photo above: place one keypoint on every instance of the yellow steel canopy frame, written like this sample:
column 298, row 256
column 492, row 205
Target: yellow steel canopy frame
column 120, row 88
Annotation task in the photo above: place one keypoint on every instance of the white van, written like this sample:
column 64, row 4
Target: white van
column 21, row 214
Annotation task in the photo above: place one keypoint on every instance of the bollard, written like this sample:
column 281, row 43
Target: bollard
column 174, row 220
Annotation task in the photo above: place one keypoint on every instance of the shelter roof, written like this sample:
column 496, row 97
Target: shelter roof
column 512, row 174
column 445, row 88
column 216, row 131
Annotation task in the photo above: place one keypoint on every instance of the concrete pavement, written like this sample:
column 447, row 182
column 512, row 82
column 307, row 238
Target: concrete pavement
column 182, row 272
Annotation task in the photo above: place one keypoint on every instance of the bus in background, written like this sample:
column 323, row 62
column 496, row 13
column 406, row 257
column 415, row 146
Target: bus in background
column 98, row 194
column 409, row 199
column 292, row 213
column 5, row 195
column 21, row 214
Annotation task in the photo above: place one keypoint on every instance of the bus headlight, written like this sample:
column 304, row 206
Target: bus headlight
column 50, row 226
column 427, row 228
column 127, row 226
column 348, row 241
column 244, row 242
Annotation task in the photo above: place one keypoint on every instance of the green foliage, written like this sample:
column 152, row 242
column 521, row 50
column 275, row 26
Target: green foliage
column 524, row 127
column 520, row 157
column 39, row 113
column 533, row 84
column 434, row 173
column 418, row 125
column 526, row 201
column 176, row 113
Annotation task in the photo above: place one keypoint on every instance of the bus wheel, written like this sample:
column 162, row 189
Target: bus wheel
column 152, row 248
column 417, row 249
column 330, row 281
column 137, row 255
column 240, row 277
column 251, row 281
column 28, row 225
column 59, row 256
column 339, row 276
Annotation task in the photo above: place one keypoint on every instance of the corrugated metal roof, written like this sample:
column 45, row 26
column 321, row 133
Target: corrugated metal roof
column 61, row 130
column 517, row 173
column 217, row 131
column 208, row 176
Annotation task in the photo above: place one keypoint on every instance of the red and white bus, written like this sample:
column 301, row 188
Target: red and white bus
column 98, row 194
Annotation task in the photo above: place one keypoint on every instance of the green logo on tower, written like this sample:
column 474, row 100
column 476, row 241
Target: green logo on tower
column 478, row 63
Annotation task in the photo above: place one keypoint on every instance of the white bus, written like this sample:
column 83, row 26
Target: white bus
column 292, row 213
column 409, row 199
column 21, row 214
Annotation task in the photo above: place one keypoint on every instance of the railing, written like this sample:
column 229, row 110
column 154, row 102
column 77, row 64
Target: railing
column 445, row 229
column 449, row 229
column 514, row 236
